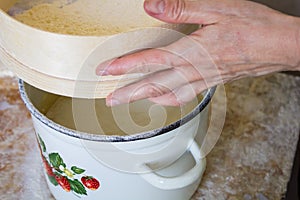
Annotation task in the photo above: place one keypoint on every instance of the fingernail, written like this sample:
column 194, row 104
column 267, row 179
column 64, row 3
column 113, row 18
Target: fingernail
column 102, row 73
column 155, row 6
column 113, row 102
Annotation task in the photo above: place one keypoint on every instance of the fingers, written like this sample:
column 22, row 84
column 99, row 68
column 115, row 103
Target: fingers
column 177, row 54
column 177, row 97
column 182, row 95
column 186, row 62
column 184, row 11
column 141, row 62
column 157, row 84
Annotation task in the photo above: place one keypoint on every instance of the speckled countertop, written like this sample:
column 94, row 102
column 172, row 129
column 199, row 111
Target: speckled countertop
column 251, row 160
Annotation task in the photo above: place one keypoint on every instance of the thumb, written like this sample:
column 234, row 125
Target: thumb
column 184, row 11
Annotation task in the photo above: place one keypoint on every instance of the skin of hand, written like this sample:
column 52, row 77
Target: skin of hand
column 237, row 39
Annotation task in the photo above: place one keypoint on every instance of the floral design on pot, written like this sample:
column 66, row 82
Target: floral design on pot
column 72, row 179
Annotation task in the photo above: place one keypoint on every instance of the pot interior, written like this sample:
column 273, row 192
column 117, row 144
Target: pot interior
column 94, row 117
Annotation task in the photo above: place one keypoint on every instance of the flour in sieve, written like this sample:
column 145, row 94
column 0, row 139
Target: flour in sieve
column 88, row 17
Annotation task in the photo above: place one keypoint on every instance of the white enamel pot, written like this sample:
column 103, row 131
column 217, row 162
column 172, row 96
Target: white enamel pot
column 159, row 164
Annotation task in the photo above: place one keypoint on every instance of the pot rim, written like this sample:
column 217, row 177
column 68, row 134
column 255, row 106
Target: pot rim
column 113, row 138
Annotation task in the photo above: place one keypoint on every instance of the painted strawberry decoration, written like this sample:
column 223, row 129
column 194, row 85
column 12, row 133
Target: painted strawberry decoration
column 59, row 174
column 90, row 182
column 47, row 166
column 63, row 182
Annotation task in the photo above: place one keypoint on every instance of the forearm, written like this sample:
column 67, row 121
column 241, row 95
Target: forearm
column 285, row 55
column 290, row 43
column 297, row 41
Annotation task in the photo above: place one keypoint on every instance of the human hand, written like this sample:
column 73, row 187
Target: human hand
column 238, row 39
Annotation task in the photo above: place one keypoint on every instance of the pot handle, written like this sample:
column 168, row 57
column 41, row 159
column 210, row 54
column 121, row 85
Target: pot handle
column 187, row 178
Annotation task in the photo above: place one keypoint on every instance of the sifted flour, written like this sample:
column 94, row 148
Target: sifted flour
column 93, row 116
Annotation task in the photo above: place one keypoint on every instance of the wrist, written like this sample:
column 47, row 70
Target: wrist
column 290, row 42
column 296, row 24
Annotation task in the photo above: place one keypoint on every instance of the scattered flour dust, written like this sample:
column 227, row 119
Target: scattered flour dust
column 87, row 17
column 34, row 185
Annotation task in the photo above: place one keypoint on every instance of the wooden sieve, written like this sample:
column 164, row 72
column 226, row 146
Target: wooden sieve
column 65, row 64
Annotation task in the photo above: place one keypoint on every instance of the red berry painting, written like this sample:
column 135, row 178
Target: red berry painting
column 90, row 182
column 71, row 179
column 63, row 182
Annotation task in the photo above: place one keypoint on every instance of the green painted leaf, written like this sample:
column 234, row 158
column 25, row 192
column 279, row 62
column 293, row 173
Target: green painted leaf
column 52, row 180
column 42, row 144
column 56, row 160
column 77, row 170
column 77, row 187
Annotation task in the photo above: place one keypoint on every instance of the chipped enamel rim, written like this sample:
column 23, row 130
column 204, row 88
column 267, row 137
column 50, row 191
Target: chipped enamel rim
column 113, row 138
